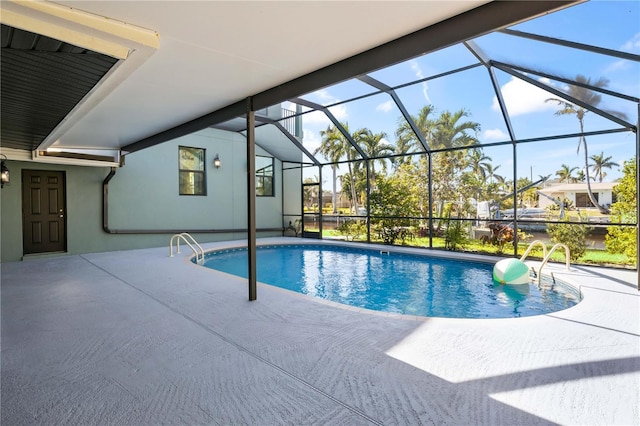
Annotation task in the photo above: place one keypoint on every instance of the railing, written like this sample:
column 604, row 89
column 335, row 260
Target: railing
column 289, row 121
column 534, row 243
column 188, row 239
column 567, row 254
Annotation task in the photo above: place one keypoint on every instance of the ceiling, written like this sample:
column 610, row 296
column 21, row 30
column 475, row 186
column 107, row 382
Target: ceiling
column 174, row 62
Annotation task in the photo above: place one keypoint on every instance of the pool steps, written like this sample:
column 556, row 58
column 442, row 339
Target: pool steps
column 191, row 242
column 546, row 256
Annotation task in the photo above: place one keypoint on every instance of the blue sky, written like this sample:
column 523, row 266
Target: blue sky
column 609, row 24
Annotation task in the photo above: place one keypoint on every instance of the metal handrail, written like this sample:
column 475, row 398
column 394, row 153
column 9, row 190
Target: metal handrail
column 533, row 243
column 185, row 236
column 567, row 254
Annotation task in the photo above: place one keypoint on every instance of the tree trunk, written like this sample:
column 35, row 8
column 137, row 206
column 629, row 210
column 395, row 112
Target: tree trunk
column 592, row 198
column 335, row 186
column 354, row 196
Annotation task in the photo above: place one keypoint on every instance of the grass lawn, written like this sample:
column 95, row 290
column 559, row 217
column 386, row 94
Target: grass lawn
column 591, row 257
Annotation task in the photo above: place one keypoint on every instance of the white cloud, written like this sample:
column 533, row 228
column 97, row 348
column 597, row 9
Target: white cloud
column 425, row 88
column 320, row 120
column 385, row 107
column 494, row 135
column 633, row 44
column 622, row 64
column 340, row 112
column 311, row 139
column 524, row 98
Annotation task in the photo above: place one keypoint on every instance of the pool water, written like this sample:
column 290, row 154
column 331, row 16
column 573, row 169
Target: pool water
column 395, row 282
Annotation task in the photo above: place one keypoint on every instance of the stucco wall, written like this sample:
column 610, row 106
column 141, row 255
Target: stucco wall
column 605, row 197
column 144, row 195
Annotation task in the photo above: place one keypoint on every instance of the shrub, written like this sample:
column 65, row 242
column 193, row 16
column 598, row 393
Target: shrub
column 456, row 235
column 574, row 236
column 621, row 239
column 351, row 228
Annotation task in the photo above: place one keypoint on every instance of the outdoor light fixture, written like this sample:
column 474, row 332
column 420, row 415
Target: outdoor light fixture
column 216, row 162
column 5, row 171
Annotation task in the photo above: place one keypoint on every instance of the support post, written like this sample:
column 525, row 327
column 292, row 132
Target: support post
column 368, row 203
column 320, row 200
column 638, row 198
column 515, row 201
column 251, row 200
column 430, row 163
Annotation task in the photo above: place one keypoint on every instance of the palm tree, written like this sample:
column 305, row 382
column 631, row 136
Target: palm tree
column 332, row 148
column 373, row 146
column 480, row 164
column 450, row 133
column 588, row 97
column 491, row 173
column 405, row 136
column 565, row 174
column 600, row 163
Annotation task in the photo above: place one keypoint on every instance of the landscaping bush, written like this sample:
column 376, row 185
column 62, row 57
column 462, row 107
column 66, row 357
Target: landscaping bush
column 574, row 236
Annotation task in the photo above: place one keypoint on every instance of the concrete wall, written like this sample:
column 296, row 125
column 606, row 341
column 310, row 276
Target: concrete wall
column 144, row 195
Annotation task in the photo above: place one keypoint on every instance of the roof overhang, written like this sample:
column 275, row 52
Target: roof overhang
column 184, row 66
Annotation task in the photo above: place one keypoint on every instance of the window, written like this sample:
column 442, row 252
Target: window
column 191, row 170
column 582, row 199
column 264, row 176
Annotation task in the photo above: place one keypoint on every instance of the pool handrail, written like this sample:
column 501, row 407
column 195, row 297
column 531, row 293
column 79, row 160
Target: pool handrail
column 567, row 255
column 185, row 236
column 533, row 243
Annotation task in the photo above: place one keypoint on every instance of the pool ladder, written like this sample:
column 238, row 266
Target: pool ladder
column 191, row 242
column 546, row 256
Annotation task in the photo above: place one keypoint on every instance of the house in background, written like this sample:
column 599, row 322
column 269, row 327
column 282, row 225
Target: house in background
column 577, row 193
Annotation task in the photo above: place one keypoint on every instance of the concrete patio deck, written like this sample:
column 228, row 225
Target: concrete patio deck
column 138, row 338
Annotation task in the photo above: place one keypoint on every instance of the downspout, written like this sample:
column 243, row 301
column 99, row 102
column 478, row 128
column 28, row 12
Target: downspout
column 105, row 201
column 106, row 229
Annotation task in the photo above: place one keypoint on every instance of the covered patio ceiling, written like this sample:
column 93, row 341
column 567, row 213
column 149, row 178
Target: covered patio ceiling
column 185, row 66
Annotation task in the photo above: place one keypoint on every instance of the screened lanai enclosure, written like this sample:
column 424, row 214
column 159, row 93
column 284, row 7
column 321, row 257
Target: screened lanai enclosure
column 526, row 133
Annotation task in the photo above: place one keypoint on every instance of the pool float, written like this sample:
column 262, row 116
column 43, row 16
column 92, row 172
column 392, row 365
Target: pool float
column 511, row 271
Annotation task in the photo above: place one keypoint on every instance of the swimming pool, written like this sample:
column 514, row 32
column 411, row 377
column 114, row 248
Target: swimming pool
column 388, row 281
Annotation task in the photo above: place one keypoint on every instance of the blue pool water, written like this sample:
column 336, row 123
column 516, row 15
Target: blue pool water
column 395, row 282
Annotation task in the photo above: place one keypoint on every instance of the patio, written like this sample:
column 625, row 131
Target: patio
column 136, row 337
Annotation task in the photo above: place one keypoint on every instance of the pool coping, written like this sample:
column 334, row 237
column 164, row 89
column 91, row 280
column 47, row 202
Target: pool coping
column 557, row 269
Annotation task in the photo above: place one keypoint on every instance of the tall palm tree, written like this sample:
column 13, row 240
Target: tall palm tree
column 592, row 98
column 374, row 146
column 600, row 163
column 565, row 174
column 491, row 173
column 480, row 164
column 332, row 148
column 405, row 136
column 403, row 146
column 451, row 133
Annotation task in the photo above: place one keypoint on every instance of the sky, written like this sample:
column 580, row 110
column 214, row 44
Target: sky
column 608, row 24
